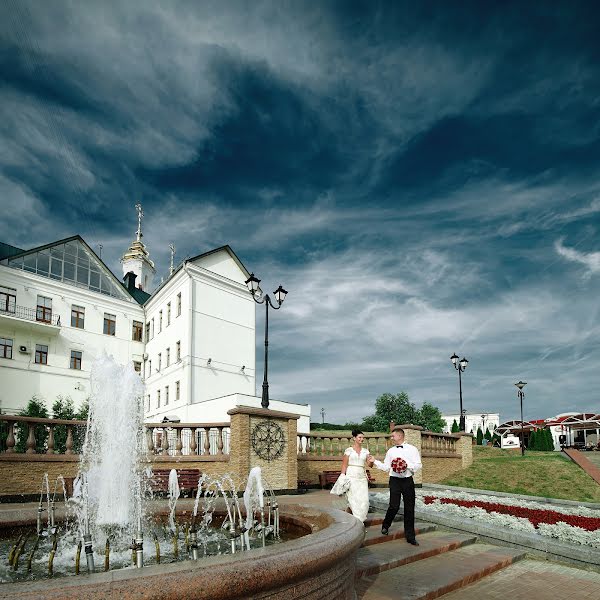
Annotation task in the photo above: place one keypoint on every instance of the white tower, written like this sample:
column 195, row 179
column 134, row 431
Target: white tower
column 137, row 259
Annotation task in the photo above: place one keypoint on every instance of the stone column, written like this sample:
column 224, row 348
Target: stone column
column 279, row 462
column 464, row 446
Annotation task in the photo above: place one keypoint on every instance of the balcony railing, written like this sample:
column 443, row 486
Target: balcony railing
column 41, row 315
column 439, row 444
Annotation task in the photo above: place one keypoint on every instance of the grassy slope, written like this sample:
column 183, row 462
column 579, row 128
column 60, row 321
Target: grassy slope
column 548, row 474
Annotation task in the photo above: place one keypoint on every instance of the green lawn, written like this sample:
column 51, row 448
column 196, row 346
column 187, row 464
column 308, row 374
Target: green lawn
column 548, row 474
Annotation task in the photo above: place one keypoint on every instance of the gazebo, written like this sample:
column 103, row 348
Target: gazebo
column 581, row 430
column 520, row 429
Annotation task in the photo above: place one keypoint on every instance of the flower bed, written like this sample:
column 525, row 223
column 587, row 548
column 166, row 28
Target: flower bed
column 573, row 525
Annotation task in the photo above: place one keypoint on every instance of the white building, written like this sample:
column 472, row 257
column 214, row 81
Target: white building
column 192, row 339
column 473, row 421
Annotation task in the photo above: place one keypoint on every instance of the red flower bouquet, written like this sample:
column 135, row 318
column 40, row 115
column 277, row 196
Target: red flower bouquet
column 399, row 465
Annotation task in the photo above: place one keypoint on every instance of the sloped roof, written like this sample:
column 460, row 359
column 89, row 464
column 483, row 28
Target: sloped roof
column 7, row 250
column 138, row 295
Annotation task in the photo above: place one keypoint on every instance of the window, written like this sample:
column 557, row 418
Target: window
column 177, row 390
column 179, row 304
column 158, row 399
column 168, row 314
column 44, row 309
column 159, row 321
column 110, row 324
column 41, row 354
column 8, row 299
column 6, row 346
column 166, row 395
column 75, row 360
column 178, row 351
column 152, row 328
column 159, row 361
column 137, row 331
column 149, row 368
column 168, row 356
column 137, row 366
column 77, row 316
column 148, row 402
column 147, row 330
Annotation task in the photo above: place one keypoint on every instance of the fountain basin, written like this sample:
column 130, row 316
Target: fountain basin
column 315, row 566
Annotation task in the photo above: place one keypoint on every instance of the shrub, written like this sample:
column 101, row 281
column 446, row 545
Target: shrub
column 35, row 408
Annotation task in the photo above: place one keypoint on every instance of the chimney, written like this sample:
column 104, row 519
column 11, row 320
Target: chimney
column 129, row 280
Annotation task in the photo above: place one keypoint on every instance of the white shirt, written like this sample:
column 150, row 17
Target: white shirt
column 408, row 453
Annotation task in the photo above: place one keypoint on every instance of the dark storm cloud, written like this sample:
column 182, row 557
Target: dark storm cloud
column 422, row 177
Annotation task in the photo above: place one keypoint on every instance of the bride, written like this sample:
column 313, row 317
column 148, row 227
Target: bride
column 353, row 466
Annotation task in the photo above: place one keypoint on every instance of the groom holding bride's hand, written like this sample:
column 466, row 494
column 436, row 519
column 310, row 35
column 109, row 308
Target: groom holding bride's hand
column 401, row 461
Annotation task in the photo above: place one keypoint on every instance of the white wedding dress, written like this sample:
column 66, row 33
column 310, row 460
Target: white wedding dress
column 358, row 494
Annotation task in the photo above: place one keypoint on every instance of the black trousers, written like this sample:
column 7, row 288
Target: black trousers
column 402, row 487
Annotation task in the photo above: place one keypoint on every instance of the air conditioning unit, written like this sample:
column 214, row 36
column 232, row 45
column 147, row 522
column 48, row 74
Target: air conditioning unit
column 23, row 350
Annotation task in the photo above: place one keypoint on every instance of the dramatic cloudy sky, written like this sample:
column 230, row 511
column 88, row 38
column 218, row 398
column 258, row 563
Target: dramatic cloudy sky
column 422, row 177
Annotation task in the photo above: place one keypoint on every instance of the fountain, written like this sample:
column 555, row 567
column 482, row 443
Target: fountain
column 110, row 518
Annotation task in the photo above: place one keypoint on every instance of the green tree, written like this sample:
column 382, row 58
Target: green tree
column 35, row 408
column 533, row 441
column 479, row 436
column 455, row 427
column 390, row 407
column 550, row 439
column 430, row 418
column 487, row 435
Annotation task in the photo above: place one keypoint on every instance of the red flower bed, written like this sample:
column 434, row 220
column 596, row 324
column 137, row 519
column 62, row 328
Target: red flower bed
column 535, row 516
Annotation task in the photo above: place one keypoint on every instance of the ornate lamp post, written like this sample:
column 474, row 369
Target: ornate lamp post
column 521, row 395
column 280, row 294
column 460, row 366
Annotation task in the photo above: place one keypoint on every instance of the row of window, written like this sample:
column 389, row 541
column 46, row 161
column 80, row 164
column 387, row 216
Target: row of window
column 41, row 353
column 165, row 397
column 148, row 362
column 150, row 324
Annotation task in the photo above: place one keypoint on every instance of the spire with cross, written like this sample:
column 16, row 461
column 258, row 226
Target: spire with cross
column 140, row 213
column 172, row 248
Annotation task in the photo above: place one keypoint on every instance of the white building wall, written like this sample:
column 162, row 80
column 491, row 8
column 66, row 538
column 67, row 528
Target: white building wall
column 21, row 377
column 473, row 421
column 215, row 410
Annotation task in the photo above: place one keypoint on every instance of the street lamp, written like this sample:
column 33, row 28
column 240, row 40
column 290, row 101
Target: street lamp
column 323, row 416
column 460, row 366
column 280, row 294
column 521, row 395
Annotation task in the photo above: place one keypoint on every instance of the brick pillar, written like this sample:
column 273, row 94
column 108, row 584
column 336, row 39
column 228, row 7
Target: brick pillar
column 464, row 447
column 280, row 472
column 412, row 435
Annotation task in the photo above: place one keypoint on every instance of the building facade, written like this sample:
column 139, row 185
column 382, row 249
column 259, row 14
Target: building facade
column 473, row 421
column 192, row 340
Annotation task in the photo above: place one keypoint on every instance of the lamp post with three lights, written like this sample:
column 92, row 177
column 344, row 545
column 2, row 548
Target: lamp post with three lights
column 253, row 285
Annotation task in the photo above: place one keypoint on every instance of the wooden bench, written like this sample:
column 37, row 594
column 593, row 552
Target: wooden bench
column 330, row 477
column 303, row 486
column 187, row 479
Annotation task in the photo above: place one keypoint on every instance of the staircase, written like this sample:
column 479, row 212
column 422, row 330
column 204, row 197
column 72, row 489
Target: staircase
column 389, row 567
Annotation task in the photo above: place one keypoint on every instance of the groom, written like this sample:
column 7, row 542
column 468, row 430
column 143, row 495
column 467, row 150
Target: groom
column 401, row 460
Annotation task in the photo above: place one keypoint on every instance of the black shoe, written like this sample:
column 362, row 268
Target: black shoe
column 413, row 542
column 385, row 530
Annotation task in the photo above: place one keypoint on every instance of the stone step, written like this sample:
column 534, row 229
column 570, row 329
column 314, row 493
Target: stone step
column 371, row 521
column 432, row 577
column 388, row 555
column 373, row 534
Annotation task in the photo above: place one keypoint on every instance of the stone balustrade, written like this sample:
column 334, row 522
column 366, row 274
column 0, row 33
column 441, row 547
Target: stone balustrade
column 439, row 444
column 188, row 439
column 330, row 445
column 172, row 439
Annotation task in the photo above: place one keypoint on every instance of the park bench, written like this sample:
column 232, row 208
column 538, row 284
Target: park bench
column 187, row 479
column 330, row 477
